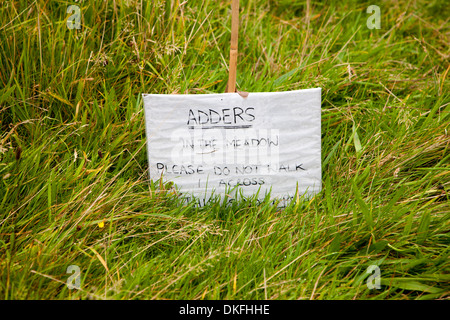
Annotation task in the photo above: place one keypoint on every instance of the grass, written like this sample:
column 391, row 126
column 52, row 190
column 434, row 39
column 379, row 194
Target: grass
column 74, row 186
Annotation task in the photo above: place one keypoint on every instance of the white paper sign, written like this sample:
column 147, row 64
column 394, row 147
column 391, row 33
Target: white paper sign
column 212, row 143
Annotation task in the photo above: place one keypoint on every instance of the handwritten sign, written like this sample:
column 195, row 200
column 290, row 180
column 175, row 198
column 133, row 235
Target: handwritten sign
column 217, row 144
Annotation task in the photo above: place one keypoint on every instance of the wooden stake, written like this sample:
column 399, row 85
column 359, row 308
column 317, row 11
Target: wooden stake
column 234, row 46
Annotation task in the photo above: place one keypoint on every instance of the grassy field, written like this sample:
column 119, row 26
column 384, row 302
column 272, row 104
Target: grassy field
column 74, row 186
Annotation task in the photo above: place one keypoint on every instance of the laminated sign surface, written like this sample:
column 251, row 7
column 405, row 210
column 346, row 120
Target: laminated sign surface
column 219, row 143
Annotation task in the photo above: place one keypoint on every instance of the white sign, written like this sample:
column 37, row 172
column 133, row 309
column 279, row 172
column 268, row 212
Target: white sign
column 217, row 144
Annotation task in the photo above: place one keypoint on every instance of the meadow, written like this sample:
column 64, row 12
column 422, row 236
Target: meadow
column 74, row 185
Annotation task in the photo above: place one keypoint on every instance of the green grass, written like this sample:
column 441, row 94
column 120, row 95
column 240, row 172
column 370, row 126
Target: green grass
column 73, row 151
